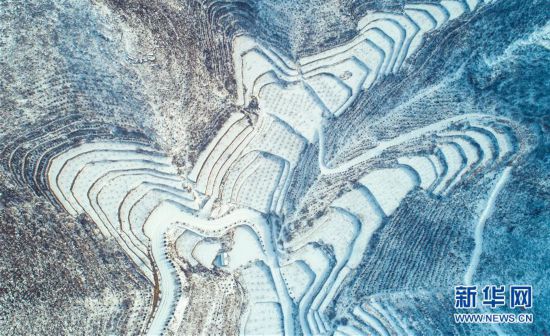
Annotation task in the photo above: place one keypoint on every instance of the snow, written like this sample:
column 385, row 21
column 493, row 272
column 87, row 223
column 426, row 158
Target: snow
column 504, row 143
column 172, row 212
column 185, row 244
column 483, row 141
column 358, row 202
column 432, row 128
column 169, row 289
column 478, row 233
column 472, row 4
column 388, row 317
column 66, row 165
column 383, row 43
column 438, row 167
column 138, row 196
column 205, row 252
column 258, row 282
column 438, row 13
column 256, row 189
column 389, row 186
column 398, row 27
column 216, row 153
column 149, row 198
column 422, row 18
column 107, row 194
column 455, row 8
column 348, row 330
column 234, row 177
column 370, row 214
column 454, row 161
column 261, row 61
column 265, row 319
column 225, row 161
column 368, row 57
column 246, row 248
column 370, row 321
column 295, row 105
column 98, row 177
column 472, row 159
column 339, row 230
column 423, row 166
column 279, row 139
column 319, row 263
column 298, row 278
column 233, row 118
column 331, row 90
column 352, row 73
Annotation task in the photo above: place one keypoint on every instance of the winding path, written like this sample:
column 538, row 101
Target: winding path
column 478, row 233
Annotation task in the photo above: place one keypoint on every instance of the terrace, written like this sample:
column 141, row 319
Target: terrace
column 234, row 201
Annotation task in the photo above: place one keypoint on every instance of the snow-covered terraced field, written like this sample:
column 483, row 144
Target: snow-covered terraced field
column 235, row 211
column 330, row 81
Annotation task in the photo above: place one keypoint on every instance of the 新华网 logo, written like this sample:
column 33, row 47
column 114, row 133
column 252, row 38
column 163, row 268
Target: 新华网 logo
column 493, row 296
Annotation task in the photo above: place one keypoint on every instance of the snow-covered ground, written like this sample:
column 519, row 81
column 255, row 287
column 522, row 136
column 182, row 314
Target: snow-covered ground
column 478, row 231
column 235, row 193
